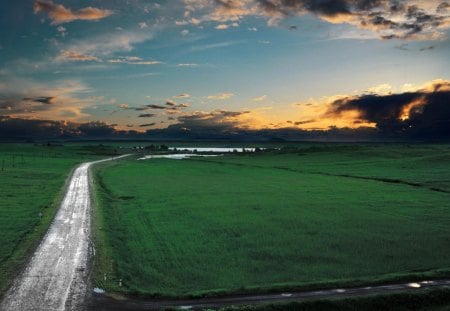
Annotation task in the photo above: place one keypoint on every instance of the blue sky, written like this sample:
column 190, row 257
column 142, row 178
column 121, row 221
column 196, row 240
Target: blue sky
column 149, row 64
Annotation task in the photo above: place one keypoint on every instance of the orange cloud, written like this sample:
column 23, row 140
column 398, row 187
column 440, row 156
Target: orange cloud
column 221, row 96
column 60, row 14
column 75, row 56
column 409, row 19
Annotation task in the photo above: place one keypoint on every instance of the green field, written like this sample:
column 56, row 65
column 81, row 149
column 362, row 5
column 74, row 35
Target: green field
column 311, row 216
column 31, row 185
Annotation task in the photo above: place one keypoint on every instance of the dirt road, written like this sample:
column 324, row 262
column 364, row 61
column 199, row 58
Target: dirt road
column 55, row 278
column 101, row 302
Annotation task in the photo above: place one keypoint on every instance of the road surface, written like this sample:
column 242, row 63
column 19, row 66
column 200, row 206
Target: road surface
column 55, row 278
column 101, row 302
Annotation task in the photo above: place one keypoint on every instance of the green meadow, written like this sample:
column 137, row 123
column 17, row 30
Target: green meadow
column 32, row 180
column 300, row 217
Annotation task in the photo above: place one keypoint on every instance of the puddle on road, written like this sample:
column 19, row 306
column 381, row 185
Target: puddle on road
column 213, row 149
column 192, row 152
column 176, row 156
column 339, row 290
column 98, row 290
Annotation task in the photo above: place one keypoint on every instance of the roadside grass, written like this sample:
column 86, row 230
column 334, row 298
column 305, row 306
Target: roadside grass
column 253, row 223
column 32, row 182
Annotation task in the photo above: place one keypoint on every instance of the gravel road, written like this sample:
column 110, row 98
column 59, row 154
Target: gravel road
column 55, row 278
column 102, row 302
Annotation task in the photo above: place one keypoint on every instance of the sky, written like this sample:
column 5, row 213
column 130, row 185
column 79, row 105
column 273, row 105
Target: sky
column 224, row 65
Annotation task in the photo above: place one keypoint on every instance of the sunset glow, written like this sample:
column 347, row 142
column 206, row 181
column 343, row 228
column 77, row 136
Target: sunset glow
column 229, row 64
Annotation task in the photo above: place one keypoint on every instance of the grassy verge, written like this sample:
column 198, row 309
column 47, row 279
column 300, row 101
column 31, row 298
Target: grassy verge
column 274, row 221
column 32, row 180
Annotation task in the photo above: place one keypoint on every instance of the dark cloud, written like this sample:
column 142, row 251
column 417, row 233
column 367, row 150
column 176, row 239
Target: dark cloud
column 96, row 129
column 443, row 7
column 427, row 48
column 183, row 95
column 16, row 128
column 29, row 105
column 43, row 100
column 147, row 125
column 421, row 114
column 389, row 18
column 147, row 115
column 153, row 106
column 219, row 118
column 169, row 105
column 418, row 115
column 305, row 122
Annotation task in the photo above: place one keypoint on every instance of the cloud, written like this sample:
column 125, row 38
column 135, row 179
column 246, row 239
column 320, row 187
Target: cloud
column 260, row 98
column 75, row 56
column 182, row 95
column 221, row 96
column 62, row 31
column 408, row 19
column 304, row 122
column 104, row 45
column 95, row 129
column 171, row 105
column 154, row 106
column 383, row 88
column 147, row 125
column 226, row 26
column 59, row 100
column 147, row 115
column 235, row 125
column 60, row 14
column 133, row 60
column 18, row 128
column 222, row 27
column 217, row 121
column 218, row 45
column 421, row 113
column 188, row 65
column 44, row 100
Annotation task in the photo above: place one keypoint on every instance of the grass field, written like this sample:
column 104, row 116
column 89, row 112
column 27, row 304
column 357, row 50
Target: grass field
column 314, row 216
column 31, row 186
